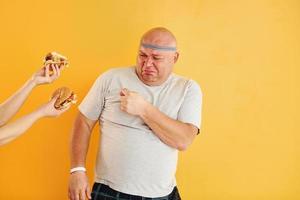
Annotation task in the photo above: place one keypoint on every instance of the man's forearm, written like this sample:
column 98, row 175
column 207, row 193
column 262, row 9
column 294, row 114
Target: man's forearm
column 79, row 143
column 18, row 127
column 172, row 132
column 13, row 103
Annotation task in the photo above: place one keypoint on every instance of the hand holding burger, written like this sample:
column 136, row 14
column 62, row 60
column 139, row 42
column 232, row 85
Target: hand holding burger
column 65, row 97
column 60, row 102
column 53, row 64
column 54, row 58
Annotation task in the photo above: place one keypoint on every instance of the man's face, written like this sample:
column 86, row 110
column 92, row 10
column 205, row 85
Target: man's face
column 155, row 65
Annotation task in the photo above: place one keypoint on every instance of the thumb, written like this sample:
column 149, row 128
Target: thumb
column 54, row 98
column 124, row 92
column 47, row 70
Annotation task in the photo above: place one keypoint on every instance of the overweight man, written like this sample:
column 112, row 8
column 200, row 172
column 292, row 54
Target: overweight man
column 146, row 114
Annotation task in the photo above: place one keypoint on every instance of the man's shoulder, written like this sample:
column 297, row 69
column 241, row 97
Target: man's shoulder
column 185, row 82
column 117, row 71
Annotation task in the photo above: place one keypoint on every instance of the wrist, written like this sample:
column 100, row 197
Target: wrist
column 32, row 82
column 41, row 112
column 77, row 169
column 38, row 114
column 146, row 110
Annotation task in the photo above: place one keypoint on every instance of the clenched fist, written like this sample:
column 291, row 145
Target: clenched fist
column 133, row 103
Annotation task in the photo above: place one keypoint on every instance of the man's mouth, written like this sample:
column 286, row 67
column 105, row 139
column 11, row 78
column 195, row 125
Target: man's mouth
column 148, row 72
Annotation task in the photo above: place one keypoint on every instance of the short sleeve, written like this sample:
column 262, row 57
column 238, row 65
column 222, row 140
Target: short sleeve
column 92, row 104
column 191, row 108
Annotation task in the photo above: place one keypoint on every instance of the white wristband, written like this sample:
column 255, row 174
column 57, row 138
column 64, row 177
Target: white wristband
column 75, row 169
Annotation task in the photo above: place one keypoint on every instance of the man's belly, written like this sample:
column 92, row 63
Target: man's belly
column 135, row 156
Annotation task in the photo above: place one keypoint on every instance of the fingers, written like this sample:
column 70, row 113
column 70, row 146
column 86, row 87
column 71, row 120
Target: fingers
column 123, row 108
column 124, row 92
column 64, row 109
column 57, row 112
column 74, row 194
column 56, row 72
column 82, row 195
column 123, row 104
column 57, row 69
column 123, row 98
column 54, row 69
column 52, row 72
column 48, row 73
column 88, row 192
column 123, row 101
column 79, row 193
column 53, row 99
column 47, row 66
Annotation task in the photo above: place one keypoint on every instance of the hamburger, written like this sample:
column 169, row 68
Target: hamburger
column 65, row 97
column 55, row 58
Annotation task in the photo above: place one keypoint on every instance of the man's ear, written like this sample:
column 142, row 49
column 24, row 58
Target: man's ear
column 176, row 56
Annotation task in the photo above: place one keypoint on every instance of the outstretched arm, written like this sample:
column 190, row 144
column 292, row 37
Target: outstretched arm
column 18, row 127
column 11, row 106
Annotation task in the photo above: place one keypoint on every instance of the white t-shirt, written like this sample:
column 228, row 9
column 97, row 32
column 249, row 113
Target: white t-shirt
column 131, row 158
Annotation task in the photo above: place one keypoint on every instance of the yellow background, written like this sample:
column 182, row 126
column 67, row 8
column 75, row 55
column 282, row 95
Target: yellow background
column 244, row 54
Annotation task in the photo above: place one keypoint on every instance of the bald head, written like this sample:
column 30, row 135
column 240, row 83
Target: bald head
column 159, row 37
column 157, row 56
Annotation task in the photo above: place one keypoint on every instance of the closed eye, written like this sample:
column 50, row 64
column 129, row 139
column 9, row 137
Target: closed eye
column 157, row 58
column 142, row 55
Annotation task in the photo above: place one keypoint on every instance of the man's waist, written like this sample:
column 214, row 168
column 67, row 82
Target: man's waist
column 142, row 190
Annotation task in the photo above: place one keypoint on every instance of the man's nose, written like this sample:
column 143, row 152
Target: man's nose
column 148, row 61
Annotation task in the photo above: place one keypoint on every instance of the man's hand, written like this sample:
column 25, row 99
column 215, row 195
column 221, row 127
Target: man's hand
column 43, row 75
column 132, row 102
column 79, row 188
